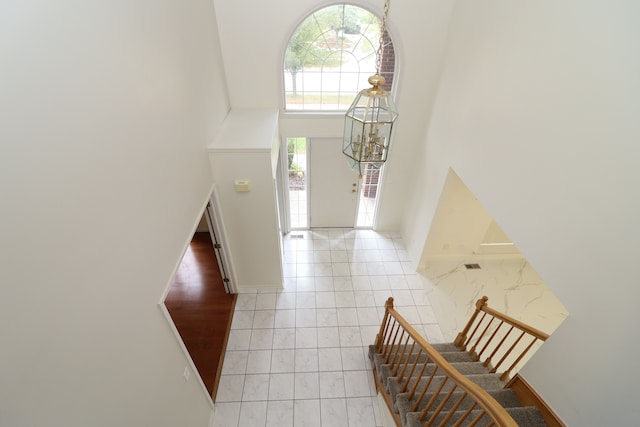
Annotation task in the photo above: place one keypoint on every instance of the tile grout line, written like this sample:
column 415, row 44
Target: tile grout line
column 350, row 311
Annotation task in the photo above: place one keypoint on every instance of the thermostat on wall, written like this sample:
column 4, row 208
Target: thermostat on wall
column 241, row 185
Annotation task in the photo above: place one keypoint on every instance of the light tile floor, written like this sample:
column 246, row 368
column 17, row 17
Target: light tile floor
column 298, row 356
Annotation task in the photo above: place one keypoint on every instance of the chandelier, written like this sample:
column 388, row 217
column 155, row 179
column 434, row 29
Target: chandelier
column 369, row 120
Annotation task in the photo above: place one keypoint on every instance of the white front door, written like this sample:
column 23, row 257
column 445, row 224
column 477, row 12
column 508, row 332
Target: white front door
column 333, row 186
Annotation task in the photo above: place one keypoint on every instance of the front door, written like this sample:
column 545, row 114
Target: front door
column 333, row 186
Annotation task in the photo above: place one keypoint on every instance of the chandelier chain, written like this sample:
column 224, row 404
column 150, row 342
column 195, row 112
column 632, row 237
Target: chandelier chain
column 383, row 30
column 370, row 119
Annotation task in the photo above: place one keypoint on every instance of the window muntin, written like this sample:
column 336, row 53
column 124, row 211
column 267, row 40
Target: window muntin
column 330, row 56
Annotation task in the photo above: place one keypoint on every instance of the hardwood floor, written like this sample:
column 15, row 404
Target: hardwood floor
column 201, row 309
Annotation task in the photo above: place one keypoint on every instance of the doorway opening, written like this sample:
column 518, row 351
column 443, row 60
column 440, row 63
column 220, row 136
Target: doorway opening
column 199, row 304
column 329, row 180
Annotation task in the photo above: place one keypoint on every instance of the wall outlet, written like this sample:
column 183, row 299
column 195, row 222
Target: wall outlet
column 186, row 374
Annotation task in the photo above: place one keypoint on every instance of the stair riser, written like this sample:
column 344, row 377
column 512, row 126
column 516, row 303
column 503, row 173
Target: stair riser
column 465, row 368
column 524, row 416
column 505, row 397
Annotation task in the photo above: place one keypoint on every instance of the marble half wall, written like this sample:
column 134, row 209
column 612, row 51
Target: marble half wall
column 464, row 232
column 512, row 285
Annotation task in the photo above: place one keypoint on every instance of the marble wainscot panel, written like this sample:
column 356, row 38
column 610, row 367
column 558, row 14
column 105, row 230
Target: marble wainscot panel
column 512, row 285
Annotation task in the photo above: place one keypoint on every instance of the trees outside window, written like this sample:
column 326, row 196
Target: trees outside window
column 330, row 56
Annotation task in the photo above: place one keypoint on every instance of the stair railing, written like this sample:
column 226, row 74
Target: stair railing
column 397, row 342
column 504, row 340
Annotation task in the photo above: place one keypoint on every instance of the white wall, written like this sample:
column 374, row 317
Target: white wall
column 459, row 223
column 537, row 113
column 246, row 149
column 254, row 36
column 106, row 109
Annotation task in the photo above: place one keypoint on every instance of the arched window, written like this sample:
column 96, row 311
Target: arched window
column 331, row 55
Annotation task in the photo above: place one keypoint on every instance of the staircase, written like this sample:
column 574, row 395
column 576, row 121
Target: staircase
column 427, row 384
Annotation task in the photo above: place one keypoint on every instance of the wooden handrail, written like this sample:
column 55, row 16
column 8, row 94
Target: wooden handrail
column 392, row 322
column 515, row 322
column 482, row 305
column 507, row 347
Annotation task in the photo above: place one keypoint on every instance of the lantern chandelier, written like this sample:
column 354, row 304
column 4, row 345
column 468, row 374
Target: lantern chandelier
column 370, row 118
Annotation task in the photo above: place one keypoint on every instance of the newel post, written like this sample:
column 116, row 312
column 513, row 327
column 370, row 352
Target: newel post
column 462, row 336
column 389, row 303
column 380, row 337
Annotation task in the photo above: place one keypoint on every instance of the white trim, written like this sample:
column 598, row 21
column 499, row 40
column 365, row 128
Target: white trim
column 267, row 289
column 165, row 311
column 220, row 230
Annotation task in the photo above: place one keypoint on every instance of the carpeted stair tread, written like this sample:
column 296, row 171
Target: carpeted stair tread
column 465, row 364
column 449, row 351
column 457, row 356
column 465, row 368
column 505, row 397
column 485, row 381
column 527, row 416
column 440, row 347
column 379, row 361
column 445, row 347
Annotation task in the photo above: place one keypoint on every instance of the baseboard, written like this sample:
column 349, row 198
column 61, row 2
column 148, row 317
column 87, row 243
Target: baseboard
column 386, row 417
column 391, row 418
column 258, row 289
column 212, row 417
column 529, row 397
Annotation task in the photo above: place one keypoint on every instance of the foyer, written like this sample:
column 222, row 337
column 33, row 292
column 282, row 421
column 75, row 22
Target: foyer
column 302, row 352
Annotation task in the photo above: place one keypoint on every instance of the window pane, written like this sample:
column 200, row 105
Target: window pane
column 297, row 180
column 330, row 56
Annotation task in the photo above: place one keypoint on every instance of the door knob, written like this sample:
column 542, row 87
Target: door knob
column 353, row 191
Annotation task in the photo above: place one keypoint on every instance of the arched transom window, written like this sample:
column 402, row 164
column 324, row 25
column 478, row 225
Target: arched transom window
column 331, row 55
